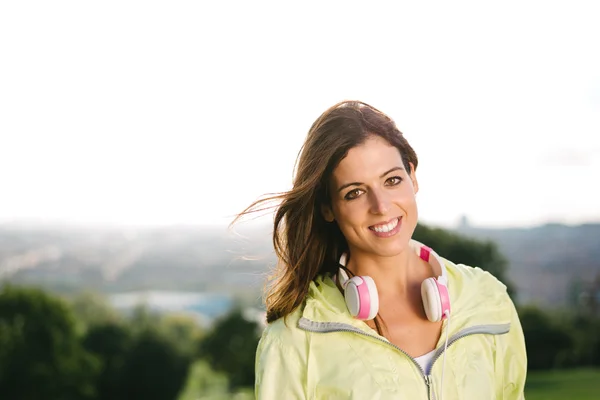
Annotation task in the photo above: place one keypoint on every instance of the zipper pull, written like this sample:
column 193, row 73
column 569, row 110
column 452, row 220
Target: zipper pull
column 430, row 393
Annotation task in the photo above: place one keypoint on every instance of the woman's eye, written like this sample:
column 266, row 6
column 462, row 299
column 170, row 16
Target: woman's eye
column 352, row 194
column 394, row 180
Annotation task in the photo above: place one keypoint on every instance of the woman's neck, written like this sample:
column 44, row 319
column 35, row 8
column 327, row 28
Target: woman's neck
column 397, row 276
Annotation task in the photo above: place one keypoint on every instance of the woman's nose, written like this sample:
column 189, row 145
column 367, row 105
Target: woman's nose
column 380, row 203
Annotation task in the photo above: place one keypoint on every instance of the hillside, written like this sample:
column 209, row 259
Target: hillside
column 67, row 259
column 547, row 263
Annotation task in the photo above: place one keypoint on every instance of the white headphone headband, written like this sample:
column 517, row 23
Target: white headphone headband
column 420, row 249
column 436, row 261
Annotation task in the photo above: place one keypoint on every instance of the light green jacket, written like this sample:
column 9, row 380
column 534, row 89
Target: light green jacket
column 321, row 352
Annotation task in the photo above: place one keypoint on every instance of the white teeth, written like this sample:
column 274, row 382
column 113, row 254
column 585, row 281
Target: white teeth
column 387, row 227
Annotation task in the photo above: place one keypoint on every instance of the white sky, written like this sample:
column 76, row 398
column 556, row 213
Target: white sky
column 184, row 112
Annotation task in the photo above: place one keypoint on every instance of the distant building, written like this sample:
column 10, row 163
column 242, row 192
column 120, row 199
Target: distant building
column 464, row 222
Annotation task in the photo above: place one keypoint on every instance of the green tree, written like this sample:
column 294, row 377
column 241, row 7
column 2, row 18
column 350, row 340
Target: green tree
column 182, row 330
column 91, row 308
column 155, row 369
column 230, row 348
column 41, row 356
column 585, row 330
column 144, row 364
column 548, row 342
column 111, row 343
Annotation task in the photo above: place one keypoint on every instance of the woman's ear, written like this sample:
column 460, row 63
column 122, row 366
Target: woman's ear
column 327, row 213
column 413, row 178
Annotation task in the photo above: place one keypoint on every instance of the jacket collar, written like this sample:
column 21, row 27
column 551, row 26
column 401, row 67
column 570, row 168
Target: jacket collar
column 474, row 294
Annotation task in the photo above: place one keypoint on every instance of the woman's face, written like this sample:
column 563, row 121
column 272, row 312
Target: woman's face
column 373, row 199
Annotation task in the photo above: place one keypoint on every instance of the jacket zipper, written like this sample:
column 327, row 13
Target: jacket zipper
column 496, row 329
column 428, row 383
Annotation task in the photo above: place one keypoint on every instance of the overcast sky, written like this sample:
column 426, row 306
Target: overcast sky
column 150, row 112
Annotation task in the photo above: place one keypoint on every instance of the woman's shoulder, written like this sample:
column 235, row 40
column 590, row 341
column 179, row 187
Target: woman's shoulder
column 475, row 289
column 462, row 274
column 284, row 331
column 281, row 359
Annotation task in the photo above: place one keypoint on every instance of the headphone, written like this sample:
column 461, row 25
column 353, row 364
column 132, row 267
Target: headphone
column 362, row 299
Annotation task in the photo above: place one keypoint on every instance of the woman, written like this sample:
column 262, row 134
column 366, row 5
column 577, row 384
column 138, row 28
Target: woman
column 359, row 310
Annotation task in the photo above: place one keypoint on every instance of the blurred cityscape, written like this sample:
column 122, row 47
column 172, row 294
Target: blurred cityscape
column 203, row 272
column 206, row 271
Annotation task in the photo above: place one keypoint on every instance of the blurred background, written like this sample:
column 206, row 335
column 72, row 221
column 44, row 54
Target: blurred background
column 132, row 132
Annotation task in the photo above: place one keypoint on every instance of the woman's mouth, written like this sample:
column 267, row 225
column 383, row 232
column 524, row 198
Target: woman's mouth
column 387, row 229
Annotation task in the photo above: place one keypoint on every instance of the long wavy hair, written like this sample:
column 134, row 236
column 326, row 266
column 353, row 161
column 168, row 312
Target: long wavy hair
column 306, row 245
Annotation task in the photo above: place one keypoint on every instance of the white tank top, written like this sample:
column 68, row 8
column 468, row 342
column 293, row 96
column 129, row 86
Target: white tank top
column 425, row 360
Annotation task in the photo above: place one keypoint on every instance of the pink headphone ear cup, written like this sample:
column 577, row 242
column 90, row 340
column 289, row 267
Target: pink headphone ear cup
column 444, row 298
column 362, row 298
column 432, row 302
column 373, row 308
column 352, row 297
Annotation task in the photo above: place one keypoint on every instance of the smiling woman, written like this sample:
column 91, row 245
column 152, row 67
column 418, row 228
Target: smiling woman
column 357, row 308
column 380, row 198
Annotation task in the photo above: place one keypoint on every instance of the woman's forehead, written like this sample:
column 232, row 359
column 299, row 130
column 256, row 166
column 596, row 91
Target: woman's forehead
column 373, row 157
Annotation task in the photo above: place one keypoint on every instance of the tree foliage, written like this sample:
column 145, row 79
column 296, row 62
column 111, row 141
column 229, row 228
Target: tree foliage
column 153, row 369
column 110, row 342
column 41, row 356
column 230, row 347
column 547, row 341
column 142, row 360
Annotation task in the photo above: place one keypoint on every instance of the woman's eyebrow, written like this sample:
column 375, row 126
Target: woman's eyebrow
column 344, row 186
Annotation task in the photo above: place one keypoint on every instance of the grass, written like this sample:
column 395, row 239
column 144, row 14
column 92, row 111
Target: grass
column 577, row 384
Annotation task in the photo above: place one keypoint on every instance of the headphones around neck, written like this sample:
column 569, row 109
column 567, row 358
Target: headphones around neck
column 362, row 299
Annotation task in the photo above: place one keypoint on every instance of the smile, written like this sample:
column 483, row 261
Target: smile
column 387, row 228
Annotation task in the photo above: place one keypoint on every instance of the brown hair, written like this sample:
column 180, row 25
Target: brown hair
column 305, row 244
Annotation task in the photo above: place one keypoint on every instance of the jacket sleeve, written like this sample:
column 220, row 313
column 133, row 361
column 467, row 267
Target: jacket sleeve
column 514, row 365
column 280, row 366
